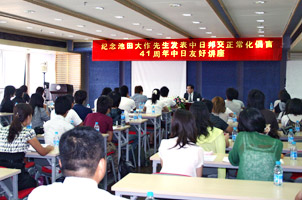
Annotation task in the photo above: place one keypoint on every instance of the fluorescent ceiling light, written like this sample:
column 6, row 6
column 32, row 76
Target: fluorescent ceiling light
column 29, row 27
column 113, row 35
column 136, row 24
column 159, row 34
column 98, row 31
column 168, row 37
column 125, row 38
column 261, row 35
column 187, row 15
column 259, row 12
column 51, row 32
column 58, row 19
column 209, row 33
column 213, row 36
column 119, row 17
column 260, row 26
column 99, row 8
column 260, row 31
column 202, row 28
column 175, row 5
column 148, row 29
column 260, row 20
column 80, row 26
column 70, row 36
column 196, row 22
column 259, row 2
column 3, row 22
column 30, row 11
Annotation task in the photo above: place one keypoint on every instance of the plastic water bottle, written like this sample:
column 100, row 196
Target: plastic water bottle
column 293, row 151
column 278, row 174
column 135, row 117
column 153, row 110
column 290, row 136
column 29, row 126
column 234, row 134
column 71, row 122
column 123, row 119
column 150, row 196
column 271, row 106
column 297, row 126
column 96, row 126
column 56, row 140
column 88, row 106
column 140, row 110
column 234, row 118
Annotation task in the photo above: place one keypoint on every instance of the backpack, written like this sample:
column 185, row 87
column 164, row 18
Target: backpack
column 290, row 125
column 125, row 167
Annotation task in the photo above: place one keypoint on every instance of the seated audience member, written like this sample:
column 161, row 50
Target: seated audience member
column 116, row 89
column 190, row 95
column 14, row 142
column 105, row 123
column 105, row 92
column 180, row 154
column 126, row 103
column 217, row 121
column 232, row 94
column 79, row 97
column 39, row 115
column 293, row 113
column 236, row 100
column 209, row 137
column 25, row 95
column 72, row 117
column 138, row 97
column 169, row 102
column 254, row 151
column 115, row 112
column 158, row 105
column 40, row 90
column 57, row 122
column 280, row 104
column 7, row 105
column 219, row 108
column 18, row 97
column 256, row 99
column 82, row 160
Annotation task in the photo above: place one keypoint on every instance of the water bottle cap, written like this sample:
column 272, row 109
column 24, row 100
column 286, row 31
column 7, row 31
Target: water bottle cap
column 135, row 111
column 150, row 194
column 290, row 129
column 235, row 128
column 56, row 133
column 293, row 142
column 297, row 121
column 96, row 122
column 278, row 163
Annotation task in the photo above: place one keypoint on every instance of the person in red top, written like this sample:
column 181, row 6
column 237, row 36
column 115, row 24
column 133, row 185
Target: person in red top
column 105, row 123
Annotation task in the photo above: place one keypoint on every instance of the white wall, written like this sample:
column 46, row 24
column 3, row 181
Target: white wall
column 294, row 78
column 155, row 74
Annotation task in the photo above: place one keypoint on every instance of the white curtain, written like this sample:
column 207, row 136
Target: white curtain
column 293, row 78
column 155, row 74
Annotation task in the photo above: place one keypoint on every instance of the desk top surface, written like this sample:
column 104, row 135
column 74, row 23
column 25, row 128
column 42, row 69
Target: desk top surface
column 120, row 128
column 147, row 115
column 178, row 186
column 35, row 154
column 138, row 121
column 6, row 173
column 3, row 114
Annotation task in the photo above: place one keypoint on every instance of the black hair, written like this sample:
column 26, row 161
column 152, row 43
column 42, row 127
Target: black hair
column 23, row 88
column 294, row 106
column 70, row 98
column 19, row 93
column 209, row 104
column 184, row 127
column 202, row 118
column 81, row 148
column 40, row 90
column 164, row 91
column 138, row 89
column 106, row 91
column 284, row 96
column 36, row 100
column 155, row 95
column 21, row 112
column 62, row 105
column 251, row 120
column 103, row 104
column 117, row 89
column 80, row 96
column 124, row 91
column 116, row 98
column 190, row 85
column 9, row 91
column 256, row 99
column 231, row 93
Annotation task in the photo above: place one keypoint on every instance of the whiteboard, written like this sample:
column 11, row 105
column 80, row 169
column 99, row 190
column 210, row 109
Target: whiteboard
column 155, row 74
column 294, row 78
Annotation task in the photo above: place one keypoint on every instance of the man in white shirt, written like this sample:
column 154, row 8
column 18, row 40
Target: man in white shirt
column 126, row 103
column 229, row 103
column 82, row 160
column 72, row 116
column 57, row 122
column 164, row 92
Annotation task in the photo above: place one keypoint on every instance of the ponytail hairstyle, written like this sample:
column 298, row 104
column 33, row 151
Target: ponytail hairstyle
column 21, row 112
column 155, row 95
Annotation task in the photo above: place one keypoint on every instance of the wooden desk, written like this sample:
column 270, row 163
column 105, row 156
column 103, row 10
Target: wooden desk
column 137, row 124
column 179, row 187
column 156, row 121
column 122, row 141
column 51, row 157
column 287, row 165
column 5, row 174
column 297, row 136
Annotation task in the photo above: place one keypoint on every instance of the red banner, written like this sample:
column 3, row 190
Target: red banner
column 202, row 49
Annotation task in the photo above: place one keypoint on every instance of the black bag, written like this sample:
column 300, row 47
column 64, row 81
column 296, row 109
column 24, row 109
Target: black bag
column 39, row 130
column 125, row 167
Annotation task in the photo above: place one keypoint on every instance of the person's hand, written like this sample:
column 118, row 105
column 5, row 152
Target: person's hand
column 50, row 148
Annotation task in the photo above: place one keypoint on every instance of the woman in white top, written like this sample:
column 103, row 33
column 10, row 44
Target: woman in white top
column 293, row 112
column 180, row 154
column 154, row 102
column 219, row 108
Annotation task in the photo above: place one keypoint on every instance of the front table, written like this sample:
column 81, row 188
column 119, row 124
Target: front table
column 179, row 187
column 6, row 173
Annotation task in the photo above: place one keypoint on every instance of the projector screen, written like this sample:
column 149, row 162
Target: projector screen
column 293, row 78
column 155, row 74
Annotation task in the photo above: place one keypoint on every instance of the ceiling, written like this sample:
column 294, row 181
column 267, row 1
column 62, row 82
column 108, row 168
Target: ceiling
column 81, row 20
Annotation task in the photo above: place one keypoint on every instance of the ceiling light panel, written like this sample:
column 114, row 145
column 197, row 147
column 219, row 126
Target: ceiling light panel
column 273, row 15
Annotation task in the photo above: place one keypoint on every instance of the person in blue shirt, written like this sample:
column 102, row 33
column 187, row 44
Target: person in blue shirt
column 79, row 97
